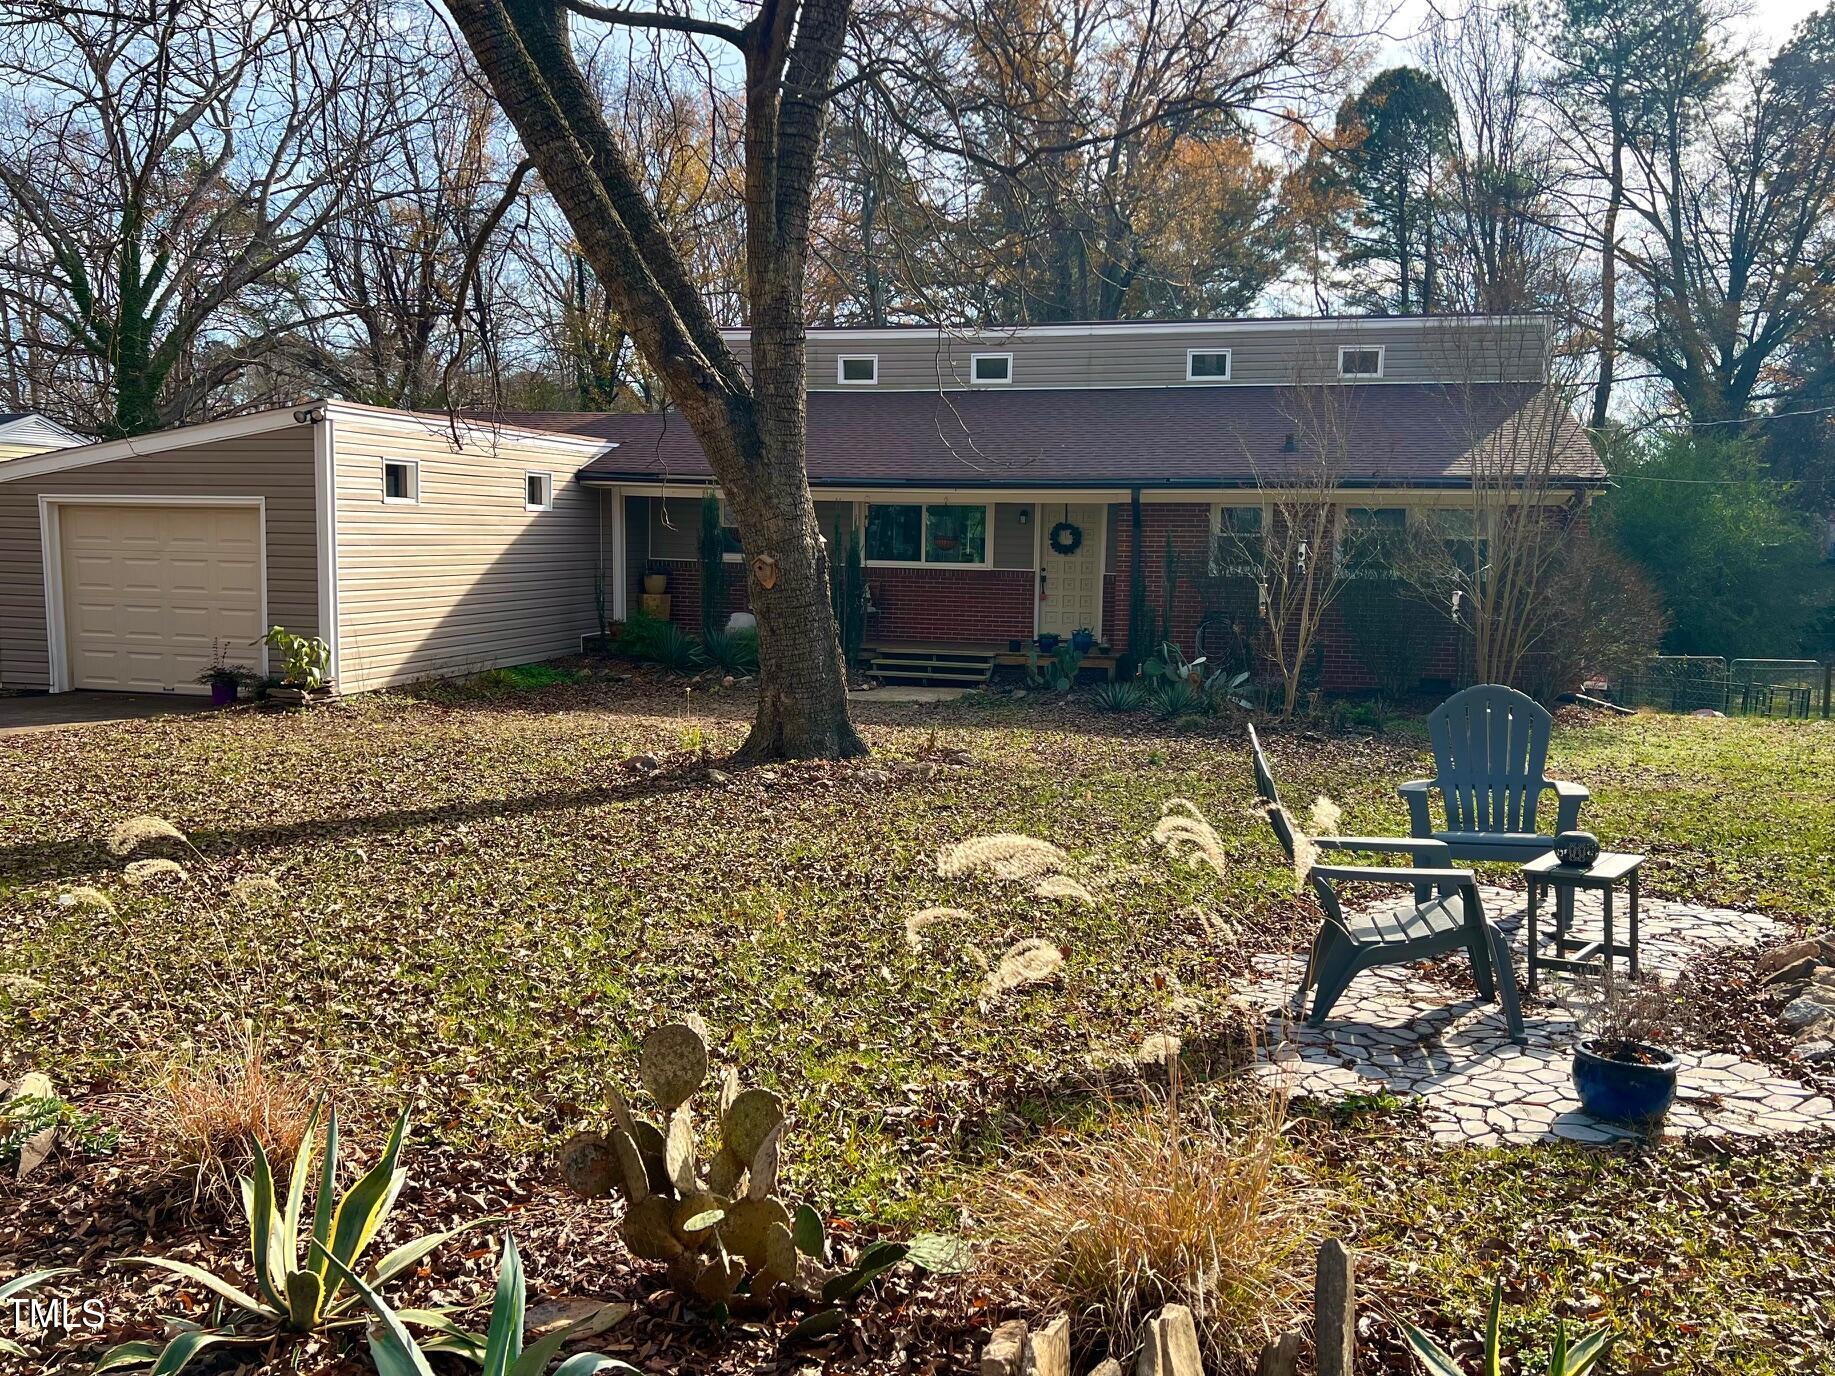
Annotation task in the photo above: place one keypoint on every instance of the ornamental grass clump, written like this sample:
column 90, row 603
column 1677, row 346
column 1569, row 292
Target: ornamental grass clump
column 210, row 1112
column 135, row 833
column 1158, row 1207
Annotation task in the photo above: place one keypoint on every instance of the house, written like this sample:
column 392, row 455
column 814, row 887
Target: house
column 1002, row 484
column 27, row 432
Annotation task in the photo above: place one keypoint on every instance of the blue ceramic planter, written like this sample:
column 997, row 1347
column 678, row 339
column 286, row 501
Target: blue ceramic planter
column 1623, row 1091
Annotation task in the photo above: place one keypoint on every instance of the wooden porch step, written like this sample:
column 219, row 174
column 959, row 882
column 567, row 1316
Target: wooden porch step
column 951, row 667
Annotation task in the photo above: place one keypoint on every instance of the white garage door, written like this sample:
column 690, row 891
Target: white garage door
column 148, row 590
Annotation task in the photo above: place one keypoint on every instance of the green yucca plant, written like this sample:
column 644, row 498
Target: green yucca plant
column 18, row 1285
column 1125, row 696
column 1564, row 1359
column 295, row 1295
column 498, row 1350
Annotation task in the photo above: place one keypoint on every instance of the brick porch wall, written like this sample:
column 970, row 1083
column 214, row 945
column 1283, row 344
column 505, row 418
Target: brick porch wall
column 982, row 606
column 685, row 590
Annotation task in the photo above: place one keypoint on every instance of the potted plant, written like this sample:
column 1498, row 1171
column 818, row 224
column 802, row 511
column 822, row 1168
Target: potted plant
column 225, row 679
column 1622, row 1071
column 656, row 584
column 1048, row 642
column 1083, row 640
column 305, row 664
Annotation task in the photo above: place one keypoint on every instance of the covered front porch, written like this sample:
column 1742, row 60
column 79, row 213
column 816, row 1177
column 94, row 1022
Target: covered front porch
column 966, row 665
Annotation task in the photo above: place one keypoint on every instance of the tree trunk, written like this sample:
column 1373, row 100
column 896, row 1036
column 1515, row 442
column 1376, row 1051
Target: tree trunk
column 752, row 432
column 1608, row 287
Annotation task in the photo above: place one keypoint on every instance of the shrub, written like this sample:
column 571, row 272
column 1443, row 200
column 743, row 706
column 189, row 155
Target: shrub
column 1607, row 618
column 651, row 640
column 305, row 661
column 1119, row 697
column 1156, row 1209
column 734, row 651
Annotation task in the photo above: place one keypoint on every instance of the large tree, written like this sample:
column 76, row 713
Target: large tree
column 1389, row 149
column 751, row 424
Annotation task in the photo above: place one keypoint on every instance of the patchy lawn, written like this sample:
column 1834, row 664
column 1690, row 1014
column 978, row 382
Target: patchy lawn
column 484, row 906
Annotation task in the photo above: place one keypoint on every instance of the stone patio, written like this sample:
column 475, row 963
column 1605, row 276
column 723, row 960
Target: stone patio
column 1394, row 1030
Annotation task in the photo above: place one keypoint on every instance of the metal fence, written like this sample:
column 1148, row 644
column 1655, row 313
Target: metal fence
column 1800, row 688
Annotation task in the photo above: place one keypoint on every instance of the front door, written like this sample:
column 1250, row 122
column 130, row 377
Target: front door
column 1070, row 583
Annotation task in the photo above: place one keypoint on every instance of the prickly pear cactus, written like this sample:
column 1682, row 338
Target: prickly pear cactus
column 718, row 1223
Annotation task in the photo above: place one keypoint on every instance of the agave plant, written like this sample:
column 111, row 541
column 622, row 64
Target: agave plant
column 295, row 1294
column 1564, row 1359
column 18, row 1285
column 499, row 1350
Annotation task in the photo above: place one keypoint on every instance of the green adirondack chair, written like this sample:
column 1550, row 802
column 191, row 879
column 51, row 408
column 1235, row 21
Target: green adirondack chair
column 1489, row 745
column 1444, row 914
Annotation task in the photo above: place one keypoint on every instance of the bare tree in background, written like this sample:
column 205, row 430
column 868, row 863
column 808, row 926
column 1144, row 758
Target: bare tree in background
column 159, row 174
column 1502, row 252
column 751, row 425
column 1496, row 552
column 1294, row 546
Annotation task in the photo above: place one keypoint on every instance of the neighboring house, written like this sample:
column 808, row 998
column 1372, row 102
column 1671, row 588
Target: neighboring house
column 418, row 546
column 27, row 432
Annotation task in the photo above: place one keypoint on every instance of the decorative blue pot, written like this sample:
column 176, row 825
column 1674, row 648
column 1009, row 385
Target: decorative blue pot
column 1048, row 643
column 1083, row 641
column 1625, row 1091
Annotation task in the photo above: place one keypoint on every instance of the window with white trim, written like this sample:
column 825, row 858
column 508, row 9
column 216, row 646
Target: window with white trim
column 990, row 368
column 1237, row 539
column 1207, row 365
column 1360, row 360
column 537, row 491
column 912, row 533
column 401, row 481
column 857, row 370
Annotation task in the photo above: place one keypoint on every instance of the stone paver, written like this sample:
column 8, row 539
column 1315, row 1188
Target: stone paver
column 1394, row 1031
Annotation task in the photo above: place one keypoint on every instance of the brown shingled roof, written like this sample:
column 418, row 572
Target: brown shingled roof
column 1405, row 434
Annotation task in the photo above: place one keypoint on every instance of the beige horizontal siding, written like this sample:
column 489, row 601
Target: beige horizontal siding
column 276, row 465
column 466, row 579
column 1273, row 352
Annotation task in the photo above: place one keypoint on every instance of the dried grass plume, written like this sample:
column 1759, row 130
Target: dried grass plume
column 1030, row 960
column 1184, row 830
column 1061, row 888
column 86, row 896
column 924, row 917
column 1006, row 855
column 1327, row 817
column 130, row 834
column 153, row 871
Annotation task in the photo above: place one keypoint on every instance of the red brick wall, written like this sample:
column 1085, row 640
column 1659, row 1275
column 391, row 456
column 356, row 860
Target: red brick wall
column 1189, row 526
column 972, row 605
column 685, row 590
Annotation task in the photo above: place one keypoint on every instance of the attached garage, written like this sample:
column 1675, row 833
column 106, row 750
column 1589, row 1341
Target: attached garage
column 415, row 545
column 148, row 591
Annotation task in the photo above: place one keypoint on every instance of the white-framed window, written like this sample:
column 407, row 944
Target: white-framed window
column 1238, row 537
column 1389, row 518
column 537, row 491
column 857, row 370
column 1360, row 360
column 990, row 369
column 734, row 551
column 1207, row 365
column 916, row 533
column 401, row 482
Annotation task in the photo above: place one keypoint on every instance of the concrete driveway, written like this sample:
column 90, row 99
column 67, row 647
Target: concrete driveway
column 52, row 711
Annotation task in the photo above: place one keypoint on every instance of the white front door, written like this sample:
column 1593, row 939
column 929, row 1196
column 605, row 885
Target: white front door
column 1070, row 585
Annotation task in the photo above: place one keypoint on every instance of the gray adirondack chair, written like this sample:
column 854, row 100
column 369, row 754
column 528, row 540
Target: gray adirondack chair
column 1489, row 745
column 1444, row 915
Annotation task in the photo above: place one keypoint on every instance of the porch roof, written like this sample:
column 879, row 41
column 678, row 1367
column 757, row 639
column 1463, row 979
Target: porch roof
column 1388, row 434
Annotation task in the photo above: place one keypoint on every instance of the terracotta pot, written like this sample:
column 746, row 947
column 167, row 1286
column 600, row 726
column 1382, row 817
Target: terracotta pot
column 656, row 584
